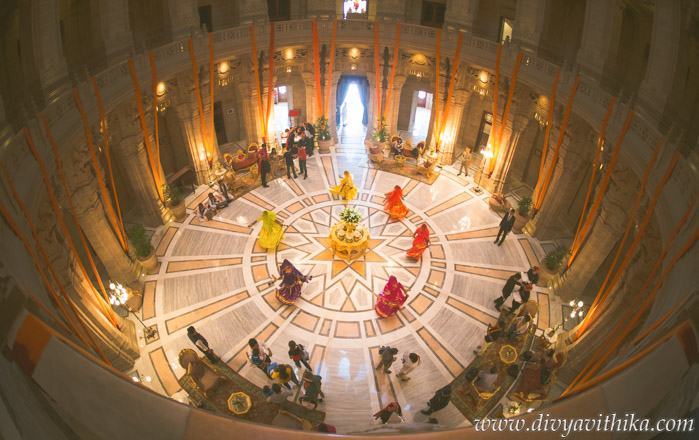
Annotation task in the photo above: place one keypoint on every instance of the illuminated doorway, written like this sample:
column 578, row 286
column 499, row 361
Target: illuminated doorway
column 420, row 115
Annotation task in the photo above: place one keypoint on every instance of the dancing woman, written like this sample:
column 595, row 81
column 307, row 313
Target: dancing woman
column 394, row 203
column 420, row 242
column 345, row 188
column 391, row 299
column 292, row 280
column 272, row 230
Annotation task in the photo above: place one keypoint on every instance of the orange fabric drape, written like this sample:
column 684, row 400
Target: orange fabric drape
column 316, row 69
column 204, row 132
column 603, row 187
column 211, row 90
column 657, row 323
column 632, row 218
column 552, row 165
column 270, row 85
column 102, row 301
column 393, row 71
column 437, row 67
column 544, row 152
column 98, row 173
column 156, row 135
column 600, row 145
column 377, row 55
column 594, row 308
column 445, row 114
column 105, row 140
column 154, row 166
column 503, row 123
column 328, row 87
column 257, row 82
column 494, row 125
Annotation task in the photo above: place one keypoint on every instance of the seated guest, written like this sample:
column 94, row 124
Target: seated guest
column 204, row 213
column 397, row 148
column 491, row 335
column 485, row 380
column 215, row 202
column 224, row 191
column 533, row 275
column 279, row 395
column 519, row 326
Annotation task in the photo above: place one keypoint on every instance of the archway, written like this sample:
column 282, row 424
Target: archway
column 352, row 106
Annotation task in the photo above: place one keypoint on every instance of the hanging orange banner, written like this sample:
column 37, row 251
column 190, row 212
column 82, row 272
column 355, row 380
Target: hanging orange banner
column 328, row 87
column 437, row 68
column 211, row 91
column 154, row 166
column 552, row 165
column 494, row 126
column 393, row 71
column 257, row 83
column 155, row 112
column 316, row 69
column 497, row 148
column 270, row 85
column 544, row 152
column 204, row 134
column 377, row 55
column 447, row 104
column 105, row 139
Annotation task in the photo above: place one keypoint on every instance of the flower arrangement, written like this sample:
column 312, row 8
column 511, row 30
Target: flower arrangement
column 350, row 215
column 381, row 131
column 322, row 129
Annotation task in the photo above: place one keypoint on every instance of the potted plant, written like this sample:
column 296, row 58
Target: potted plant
column 141, row 243
column 351, row 217
column 381, row 135
column 524, row 207
column 552, row 263
column 323, row 133
column 175, row 201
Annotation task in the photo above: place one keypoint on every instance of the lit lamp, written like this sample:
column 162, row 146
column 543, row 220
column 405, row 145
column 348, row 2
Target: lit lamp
column 223, row 70
column 354, row 53
column 577, row 309
column 487, row 155
column 117, row 298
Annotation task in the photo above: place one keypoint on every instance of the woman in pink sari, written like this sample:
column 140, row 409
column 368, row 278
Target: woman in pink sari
column 391, row 299
column 420, row 242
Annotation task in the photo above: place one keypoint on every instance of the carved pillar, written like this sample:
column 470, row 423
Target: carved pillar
column 394, row 105
column 253, row 12
column 184, row 18
column 321, row 9
column 188, row 116
column 507, row 152
column 332, row 114
column 312, row 110
column 460, row 14
column 529, row 20
column 119, row 345
column 451, row 130
column 606, row 231
column 371, row 111
column 664, row 46
column 130, row 152
column 597, row 31
column 248, row 97
column 566, row 179
column 48, row 52
column 93, row 218
column 116, row 30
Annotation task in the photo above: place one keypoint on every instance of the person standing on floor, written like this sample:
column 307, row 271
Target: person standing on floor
column 514, row 280
column 388, row 411
column 279, row 396
column 299, row 355
column 201, row 343
column 302, row 161
column 312, row 387
column 533, row 275
column 272, row 231
column 506, row 225
column 260, row 345
column 289, row 161
column 465, row 162
column 410, row 362
column 263, row 165
column 440, row 400
column 388, row 355
column 283, row 373
column 524, row 293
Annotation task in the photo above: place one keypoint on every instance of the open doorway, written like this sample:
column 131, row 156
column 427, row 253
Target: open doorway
column 483, row 136
column 352, row 97
column 282, row 104
column 420, row 115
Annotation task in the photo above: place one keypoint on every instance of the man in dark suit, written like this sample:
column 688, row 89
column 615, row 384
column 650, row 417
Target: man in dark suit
column 201, row 343
column 506, row 225
column 514, row 280
column 533, row 275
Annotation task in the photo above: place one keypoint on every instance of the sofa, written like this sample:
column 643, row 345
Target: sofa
column 243, row 160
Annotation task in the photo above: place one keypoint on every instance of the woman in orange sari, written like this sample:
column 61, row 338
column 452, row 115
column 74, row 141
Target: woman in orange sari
column 391, row 299
column 394, row 203
column 420, row 242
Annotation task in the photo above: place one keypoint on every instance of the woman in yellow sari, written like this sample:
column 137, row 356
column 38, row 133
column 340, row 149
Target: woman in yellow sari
column 272, row 231
column 346, row 187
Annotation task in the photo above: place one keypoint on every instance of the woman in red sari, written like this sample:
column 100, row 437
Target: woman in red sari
column 420, row 242
column 391, row 299
column 394, row 203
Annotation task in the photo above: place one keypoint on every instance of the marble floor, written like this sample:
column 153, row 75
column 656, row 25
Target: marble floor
column 215, row 276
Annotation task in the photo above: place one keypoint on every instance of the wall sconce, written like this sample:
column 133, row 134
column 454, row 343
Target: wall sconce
column 353, row 67
column 484, row 77
column 223, row 68
column 354, row 53
column 540, row 119
column 160, row 89
column 289, row 54
column 481, row 91
column 419, row 59
column 419, row 74
column 288, row 69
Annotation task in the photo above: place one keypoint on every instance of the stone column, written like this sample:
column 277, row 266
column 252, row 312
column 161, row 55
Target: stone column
column 312, row 110
column 507, row 152
column 596, row 36
column 332, row 114
column 188, row 115
column 460, row 14
column 320, row 9
column 394, row 105
column 606, row 231
column 119, row 345
column 248, row 97
column 529, row 20
column 371, row 111
column 253, row 12
column 451, row 131
column 48, row 52
column 116, row 31
column 130, row 152
column 660, row 70
column 566, row 179
column 93, row 219
column 184, row 18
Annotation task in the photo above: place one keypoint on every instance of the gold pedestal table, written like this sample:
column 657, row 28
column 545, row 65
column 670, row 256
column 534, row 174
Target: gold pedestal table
column 349, row 242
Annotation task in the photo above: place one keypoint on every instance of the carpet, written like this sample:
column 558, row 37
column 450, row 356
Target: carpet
column 231, row 382
column 406, row 170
